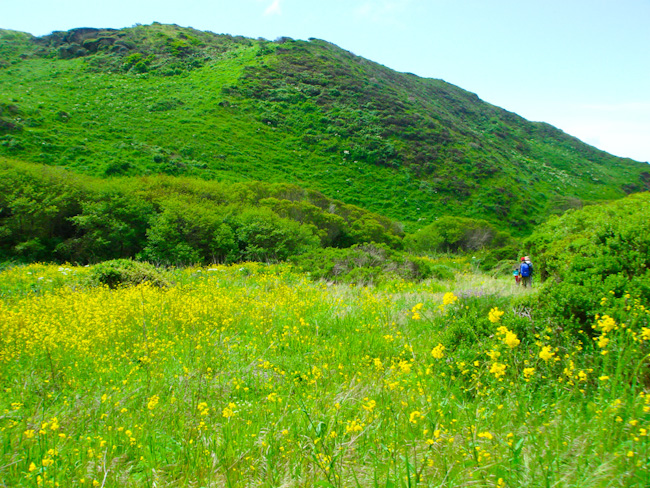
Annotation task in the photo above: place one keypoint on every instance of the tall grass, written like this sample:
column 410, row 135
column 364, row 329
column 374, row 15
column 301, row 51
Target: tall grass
column 251, row 375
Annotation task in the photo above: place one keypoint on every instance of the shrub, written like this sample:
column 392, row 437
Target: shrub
column 264, row 236
column 125, row 272
column 442, row 272
column 456, row 234
column 499, row 258
column 369, row 263
column 596, row 252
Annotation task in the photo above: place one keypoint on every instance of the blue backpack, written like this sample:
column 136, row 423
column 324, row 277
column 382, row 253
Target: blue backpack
column 525, row 270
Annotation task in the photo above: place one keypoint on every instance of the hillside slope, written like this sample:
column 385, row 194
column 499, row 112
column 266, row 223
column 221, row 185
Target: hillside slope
column 165, row 99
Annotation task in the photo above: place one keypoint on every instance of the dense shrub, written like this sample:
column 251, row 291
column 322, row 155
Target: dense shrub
column 597, row 252
column 185, row 234
column 125, row 272
column 35, row 210
column 368, row 264
column 264, row 236
column 501, row 258
column 456, row 234
column 111, row 225
column 50, row 214
column 440, row 271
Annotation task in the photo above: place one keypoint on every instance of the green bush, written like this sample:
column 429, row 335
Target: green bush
column 125, row 272
column 264, row 236
column 589, row 254
column 456, row 234
column 442, row 272
column 369, row 264
column 52, row 214
column 496, row 258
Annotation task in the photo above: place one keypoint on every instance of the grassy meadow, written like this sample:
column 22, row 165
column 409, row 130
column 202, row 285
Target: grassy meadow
column 254, row 375
column 367, row 355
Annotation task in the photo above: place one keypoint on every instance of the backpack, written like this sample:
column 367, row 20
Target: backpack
column 525, row 270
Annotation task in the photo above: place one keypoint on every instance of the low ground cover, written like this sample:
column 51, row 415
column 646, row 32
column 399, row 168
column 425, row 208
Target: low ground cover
column 253, row 375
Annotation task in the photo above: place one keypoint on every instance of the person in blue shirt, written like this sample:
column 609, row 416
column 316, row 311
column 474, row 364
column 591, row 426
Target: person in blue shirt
column 526, row 272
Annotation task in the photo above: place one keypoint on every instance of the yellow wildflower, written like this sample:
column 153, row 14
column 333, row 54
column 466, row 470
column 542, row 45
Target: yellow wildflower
column 493, row 355
column 370, row 406
column 606, row 323
column 546, row 353
column 415, row 415
column 528, row 373
column 229, row 410
column 645, row 333
column 353, row 426
column 438, row 351
column 498, row 369
column 511, row 340
column 153, row 401
column 603, row 340
column 495, row 315
column 404, row 366
column 449, row 298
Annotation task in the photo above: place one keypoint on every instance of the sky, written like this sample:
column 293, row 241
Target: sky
column 580, row 65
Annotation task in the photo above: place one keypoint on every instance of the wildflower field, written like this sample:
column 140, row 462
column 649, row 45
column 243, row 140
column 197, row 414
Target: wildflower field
column 253, row 375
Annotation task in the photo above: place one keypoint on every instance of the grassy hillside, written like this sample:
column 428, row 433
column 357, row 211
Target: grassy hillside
column 164, row 99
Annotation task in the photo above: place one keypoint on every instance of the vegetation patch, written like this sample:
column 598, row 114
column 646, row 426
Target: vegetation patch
column 163, row 99
column 125, row 272
column 50, row 214
column 254, row 374
column 371, row 263
column 599, row 254
column 450, row 234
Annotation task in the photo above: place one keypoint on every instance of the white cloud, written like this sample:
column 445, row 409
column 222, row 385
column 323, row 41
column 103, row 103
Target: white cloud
column 274, row 9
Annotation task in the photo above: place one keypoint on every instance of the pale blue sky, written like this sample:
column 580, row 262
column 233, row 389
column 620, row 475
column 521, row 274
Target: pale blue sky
column 581, row 65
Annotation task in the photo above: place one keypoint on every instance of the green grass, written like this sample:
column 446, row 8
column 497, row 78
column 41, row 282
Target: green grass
column 235, row 109
column 250, row 375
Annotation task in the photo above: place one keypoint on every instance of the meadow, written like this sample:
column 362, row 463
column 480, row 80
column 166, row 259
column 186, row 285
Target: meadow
column 255, row 375
column 365, row 351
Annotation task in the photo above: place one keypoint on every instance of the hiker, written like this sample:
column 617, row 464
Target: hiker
column 526, row 272
column 530, row 263
column 515, row 273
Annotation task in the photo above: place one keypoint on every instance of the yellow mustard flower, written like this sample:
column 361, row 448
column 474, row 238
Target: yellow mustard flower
column 438, row 352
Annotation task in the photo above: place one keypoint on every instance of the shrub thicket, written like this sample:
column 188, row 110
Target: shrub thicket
column 601, row 252
column 368, row 264
column 49, row 214
column 125, row 272
column 457, row 234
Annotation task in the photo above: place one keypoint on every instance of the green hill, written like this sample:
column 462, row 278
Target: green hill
column 165, row 99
